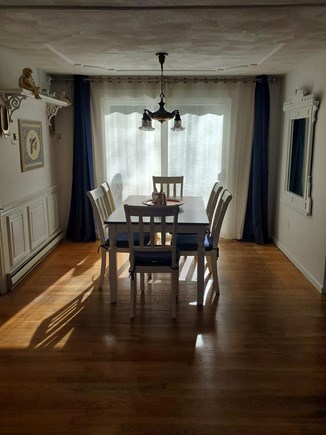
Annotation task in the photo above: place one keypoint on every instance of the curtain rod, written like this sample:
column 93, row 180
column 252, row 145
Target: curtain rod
column 256, row 5
column 176, row 79
column 104, row 79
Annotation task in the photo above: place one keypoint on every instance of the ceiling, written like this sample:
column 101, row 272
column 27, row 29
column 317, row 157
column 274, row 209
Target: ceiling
column 201, row 37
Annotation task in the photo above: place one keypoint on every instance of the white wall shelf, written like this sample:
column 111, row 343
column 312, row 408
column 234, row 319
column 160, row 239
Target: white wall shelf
column 12, row 99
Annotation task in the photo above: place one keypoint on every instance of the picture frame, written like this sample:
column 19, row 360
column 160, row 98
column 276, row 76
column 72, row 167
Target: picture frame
column 31, row 144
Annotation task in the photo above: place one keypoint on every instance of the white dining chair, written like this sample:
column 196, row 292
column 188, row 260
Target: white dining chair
column 211, row 204
column 152, row 257
column 188, row 243
column 212, row 201
column 171, row 185
column 108, row 195
column 101, row 212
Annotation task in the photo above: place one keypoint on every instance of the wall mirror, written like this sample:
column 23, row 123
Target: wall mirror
column 301, row 109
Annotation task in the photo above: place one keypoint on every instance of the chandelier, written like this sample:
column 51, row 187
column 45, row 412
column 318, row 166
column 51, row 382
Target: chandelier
column 161, row 114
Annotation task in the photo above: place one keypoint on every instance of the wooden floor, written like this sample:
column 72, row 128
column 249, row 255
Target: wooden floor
column 252, row 361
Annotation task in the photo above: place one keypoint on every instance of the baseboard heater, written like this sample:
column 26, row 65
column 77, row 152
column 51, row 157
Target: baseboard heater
column 17, row 275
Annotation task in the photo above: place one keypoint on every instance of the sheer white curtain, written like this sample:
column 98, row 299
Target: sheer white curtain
column 238, row 102
column 114, row 100
column 197, row 152
column 216, row 143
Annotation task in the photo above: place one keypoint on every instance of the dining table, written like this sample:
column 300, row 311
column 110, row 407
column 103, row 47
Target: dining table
column 192, row 218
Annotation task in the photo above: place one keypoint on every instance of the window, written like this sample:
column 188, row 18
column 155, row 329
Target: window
column 216, row 143
column 133, row 156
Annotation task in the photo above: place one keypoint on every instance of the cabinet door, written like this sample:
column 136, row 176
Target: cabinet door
column 53, row 215
column 17, row 230
column 37, row 219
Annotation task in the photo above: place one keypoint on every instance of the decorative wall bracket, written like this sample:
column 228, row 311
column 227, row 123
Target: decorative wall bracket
column 12, row 99
column 52, row 110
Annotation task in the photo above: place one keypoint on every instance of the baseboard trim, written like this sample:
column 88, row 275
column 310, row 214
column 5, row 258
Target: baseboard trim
column 16, row 276
column 319, row 286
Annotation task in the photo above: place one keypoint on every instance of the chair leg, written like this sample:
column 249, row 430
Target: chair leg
column 142, row 282
column 175, row 281
column 209, row 264
column 133, row 294
column 213, row 263
column 103, row 268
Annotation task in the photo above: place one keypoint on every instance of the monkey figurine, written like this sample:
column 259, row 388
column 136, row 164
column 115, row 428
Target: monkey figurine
column 26, row 82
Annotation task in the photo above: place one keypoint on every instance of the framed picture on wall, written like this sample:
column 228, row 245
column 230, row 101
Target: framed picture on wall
column 31, row 144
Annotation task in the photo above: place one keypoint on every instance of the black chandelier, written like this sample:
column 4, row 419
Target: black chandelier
column 161, row 114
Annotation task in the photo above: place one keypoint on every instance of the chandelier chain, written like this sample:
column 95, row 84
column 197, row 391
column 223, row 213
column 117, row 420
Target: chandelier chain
column 162, row 83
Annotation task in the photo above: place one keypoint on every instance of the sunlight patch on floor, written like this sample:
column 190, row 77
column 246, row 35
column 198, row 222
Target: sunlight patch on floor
column 188, row 269
column 53, row 341
column 39, row 331
column 199, row 341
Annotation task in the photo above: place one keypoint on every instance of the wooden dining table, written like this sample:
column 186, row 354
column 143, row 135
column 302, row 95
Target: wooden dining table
column 192, row 218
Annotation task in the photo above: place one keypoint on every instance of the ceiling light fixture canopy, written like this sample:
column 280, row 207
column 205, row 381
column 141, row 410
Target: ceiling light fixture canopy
column 161, row 114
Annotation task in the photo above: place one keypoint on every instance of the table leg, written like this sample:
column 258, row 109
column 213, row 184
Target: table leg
column 113, row 264
column 200, row 267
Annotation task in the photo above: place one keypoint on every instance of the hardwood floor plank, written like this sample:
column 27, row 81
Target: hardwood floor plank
column 251, row 361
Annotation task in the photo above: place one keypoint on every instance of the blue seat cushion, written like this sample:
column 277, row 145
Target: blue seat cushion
column 154, row 258
column 122, row 240
column 189, row 242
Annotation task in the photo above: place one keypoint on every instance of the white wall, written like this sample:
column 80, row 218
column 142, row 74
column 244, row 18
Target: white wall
column 11, row 69
column 275, row 91
column 63, row 148
column 15, row 184
column 303, row 238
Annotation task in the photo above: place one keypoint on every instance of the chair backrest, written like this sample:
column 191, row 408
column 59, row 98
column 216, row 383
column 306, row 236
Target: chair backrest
column 153, row 220
column 221, row 208
column 212, row 200
column 108, row 196
column 172, row 186
column 100, row 210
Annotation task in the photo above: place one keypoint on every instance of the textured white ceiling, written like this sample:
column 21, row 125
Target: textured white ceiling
column 207, row 38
